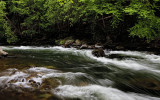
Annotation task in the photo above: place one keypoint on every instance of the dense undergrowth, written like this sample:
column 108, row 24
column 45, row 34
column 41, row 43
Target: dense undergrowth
column 28, row 21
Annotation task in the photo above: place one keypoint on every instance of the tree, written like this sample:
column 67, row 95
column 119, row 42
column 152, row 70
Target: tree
column 148, row 23
column 6, row 24
column 31, row 18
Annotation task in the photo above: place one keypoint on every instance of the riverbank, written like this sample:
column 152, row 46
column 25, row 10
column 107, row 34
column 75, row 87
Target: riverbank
column 110, row 44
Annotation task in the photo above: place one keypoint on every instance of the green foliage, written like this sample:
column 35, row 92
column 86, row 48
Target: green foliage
column 20, row 18
column 5, row 23
column 9, row 34
column 148, row 24
column 2, row 14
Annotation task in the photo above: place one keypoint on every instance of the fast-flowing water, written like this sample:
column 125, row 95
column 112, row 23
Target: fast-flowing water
column 56, row 73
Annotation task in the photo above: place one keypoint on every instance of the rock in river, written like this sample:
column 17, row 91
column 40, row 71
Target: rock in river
column 3, row 53
column 68, row 43
column 84, row 46
column 147, row 83
column 98, row 52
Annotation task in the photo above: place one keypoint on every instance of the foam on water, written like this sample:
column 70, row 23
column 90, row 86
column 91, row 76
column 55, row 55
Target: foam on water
column 14, row 78
column 21, row 78
column 150, row 57
column 96, row 92
column 59, row 48
column 127, row 63
column 37, row 75
column 106, row 82
column 22, row 47
column 41, row 69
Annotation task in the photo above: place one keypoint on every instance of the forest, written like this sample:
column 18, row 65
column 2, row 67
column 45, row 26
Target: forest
column 44, row 21
column 79, row 49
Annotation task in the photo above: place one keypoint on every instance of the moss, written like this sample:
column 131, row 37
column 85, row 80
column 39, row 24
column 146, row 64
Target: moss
column 62, row 42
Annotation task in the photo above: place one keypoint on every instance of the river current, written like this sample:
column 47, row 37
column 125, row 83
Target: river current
column 57, row 73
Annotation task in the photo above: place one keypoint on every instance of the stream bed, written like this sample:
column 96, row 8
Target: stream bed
column 57, row 73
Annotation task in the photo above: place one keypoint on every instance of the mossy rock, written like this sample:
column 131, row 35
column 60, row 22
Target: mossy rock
column 68, row 43
column 78, row 42
column 62, row 42
column 67, row 40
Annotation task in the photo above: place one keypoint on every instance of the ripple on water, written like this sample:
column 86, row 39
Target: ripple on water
column 80, row 85
column 96, row 92
column 38, row 77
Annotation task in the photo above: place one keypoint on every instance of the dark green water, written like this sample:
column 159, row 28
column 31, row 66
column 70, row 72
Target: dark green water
column 56, row 73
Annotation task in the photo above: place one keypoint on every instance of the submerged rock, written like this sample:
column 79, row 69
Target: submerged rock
column 98, row 52
column 147, row 83
column 50, row 83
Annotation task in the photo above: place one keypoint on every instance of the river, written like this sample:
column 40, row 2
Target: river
column 57, row 73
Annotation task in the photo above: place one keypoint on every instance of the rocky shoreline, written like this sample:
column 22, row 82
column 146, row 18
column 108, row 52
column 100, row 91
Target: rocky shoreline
column 98, row 48
column 119, row 43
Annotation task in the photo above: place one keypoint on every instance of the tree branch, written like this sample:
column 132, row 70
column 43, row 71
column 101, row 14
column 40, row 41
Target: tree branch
column 106, row 18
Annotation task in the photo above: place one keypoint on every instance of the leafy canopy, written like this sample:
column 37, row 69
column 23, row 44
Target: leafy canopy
column 29, row 17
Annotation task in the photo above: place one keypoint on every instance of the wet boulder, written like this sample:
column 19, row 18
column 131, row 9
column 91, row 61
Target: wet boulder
column 98, row 52
column 147, row 83
column 98, row 45
column 68, row 43
column 60, row 42
column 91, row 47
column 84, row 46
column 3, row 53
column 78, row 42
